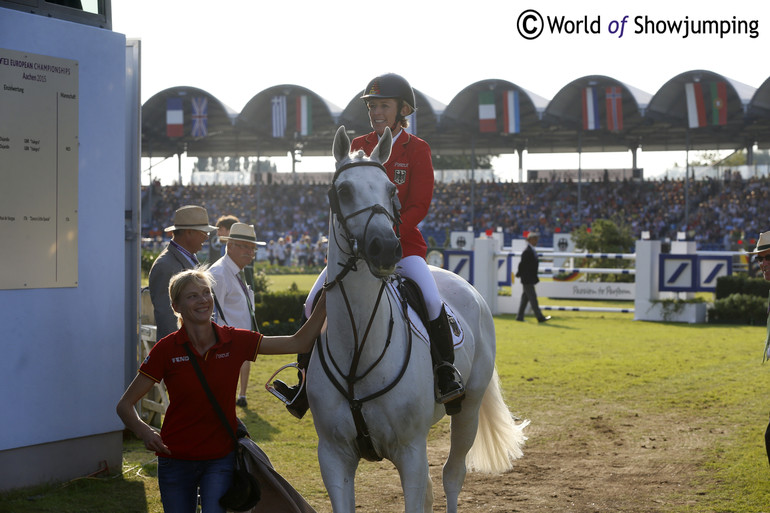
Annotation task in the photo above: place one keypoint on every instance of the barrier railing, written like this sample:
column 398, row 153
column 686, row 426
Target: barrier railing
column 153, row 406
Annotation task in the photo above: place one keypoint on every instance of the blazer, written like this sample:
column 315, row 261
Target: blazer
column 169, row 262
column 409, row 167
column 528, row 265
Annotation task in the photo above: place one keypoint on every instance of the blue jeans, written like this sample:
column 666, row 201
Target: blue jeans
column 180, row 480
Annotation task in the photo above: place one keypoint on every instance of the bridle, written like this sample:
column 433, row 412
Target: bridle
column 363, row 440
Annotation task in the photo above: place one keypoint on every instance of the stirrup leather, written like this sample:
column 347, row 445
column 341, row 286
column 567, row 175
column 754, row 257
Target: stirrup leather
column 271, row 388
column 442, row 398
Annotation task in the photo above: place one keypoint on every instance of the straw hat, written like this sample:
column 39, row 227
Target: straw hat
column 191, row 217
column 763, row 244
column 242, row 232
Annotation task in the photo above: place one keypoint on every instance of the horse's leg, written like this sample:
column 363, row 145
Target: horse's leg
column 412, row 465
column 463, row 432
column 338, row 472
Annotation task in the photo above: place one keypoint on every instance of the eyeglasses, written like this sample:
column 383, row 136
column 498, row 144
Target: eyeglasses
column 244, row 247
column 759, row 258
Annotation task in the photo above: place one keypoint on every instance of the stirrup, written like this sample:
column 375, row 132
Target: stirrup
column 271, row 388
column 443, row 398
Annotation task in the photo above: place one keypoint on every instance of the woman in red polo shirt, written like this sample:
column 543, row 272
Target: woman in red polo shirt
column 195, row 450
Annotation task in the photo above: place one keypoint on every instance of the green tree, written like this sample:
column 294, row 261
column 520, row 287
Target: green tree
column 713, row 158
column 605, row 236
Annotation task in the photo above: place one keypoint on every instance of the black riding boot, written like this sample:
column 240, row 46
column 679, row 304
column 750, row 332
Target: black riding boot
column 449, row 387
column 297, row 394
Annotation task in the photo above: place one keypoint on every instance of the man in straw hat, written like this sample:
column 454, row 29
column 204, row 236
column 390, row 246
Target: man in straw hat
column 762, row 252
column 188, row 233
column 233, row 298
column 527, row 273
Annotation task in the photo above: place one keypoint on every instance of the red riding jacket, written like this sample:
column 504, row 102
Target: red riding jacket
column 409, row 167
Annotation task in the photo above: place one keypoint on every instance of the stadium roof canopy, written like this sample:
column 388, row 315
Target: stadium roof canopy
column 289, row 117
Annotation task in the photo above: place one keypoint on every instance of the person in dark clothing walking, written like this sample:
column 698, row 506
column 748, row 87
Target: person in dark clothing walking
column 527, row 273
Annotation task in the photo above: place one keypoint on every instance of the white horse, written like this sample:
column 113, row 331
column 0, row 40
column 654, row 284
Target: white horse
column 372, row 388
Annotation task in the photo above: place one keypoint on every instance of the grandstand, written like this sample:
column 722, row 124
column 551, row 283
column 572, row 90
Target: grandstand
column 723, row 212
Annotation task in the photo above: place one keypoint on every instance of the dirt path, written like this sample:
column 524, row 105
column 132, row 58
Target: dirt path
column 603, row 462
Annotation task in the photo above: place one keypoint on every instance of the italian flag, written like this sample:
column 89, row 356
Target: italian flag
column 487, row 118
column 304, row 115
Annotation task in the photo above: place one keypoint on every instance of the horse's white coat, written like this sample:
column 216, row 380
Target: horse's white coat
column 399, row 420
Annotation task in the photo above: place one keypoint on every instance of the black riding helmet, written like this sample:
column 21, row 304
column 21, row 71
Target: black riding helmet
column 391, row 85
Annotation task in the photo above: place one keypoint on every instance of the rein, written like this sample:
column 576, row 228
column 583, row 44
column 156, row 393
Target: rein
column 364, row 443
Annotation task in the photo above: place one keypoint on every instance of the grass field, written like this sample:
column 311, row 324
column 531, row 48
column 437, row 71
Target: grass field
column 582, row 366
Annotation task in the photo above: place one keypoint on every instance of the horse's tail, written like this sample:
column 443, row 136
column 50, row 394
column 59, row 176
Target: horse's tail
column 499, row 438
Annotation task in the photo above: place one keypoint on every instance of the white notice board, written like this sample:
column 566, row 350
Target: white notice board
column 38, row 171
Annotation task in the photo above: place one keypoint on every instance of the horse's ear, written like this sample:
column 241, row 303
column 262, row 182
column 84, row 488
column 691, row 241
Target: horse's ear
column 381, row 152
column 341, row 146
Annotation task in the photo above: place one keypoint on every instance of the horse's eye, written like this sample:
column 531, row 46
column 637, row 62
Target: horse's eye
column 345, row 192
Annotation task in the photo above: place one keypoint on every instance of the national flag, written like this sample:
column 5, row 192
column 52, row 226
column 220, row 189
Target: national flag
column 304, row 115
column 200, row 108
column 590, row 109
column 411, row 127
column 487, row 116
column 174, row 117
column 718, row 103
column 614, row 99
column 511, row 118
column 279, row 116
column 696, row 108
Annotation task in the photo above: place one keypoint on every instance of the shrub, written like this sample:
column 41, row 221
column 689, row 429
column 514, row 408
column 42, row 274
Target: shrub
column 741, row 283
column 148, row 257
column 265, row 267
column 739, row 309
column 278, row 313
column 276, row 327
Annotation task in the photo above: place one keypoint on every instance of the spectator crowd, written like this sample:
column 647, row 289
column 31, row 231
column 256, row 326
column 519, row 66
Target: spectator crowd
column 296, row 216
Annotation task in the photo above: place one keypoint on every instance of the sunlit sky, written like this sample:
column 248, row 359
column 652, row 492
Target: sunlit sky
column 235, row 49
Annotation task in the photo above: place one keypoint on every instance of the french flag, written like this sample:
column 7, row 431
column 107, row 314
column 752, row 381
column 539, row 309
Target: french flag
column 590, row 109
column 174, row 117
column 511, row 116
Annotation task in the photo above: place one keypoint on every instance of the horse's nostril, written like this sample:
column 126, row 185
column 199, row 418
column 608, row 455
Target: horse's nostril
column 375, row 248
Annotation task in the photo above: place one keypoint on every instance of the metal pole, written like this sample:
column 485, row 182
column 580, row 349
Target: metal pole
column 473, row 182
column 580, row 174
column 687, row 181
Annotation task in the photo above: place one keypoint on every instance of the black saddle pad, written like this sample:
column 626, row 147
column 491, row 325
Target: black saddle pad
column 413, row 295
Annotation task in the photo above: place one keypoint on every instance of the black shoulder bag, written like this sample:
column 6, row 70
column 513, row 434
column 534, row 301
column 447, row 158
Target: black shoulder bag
column 244, row 493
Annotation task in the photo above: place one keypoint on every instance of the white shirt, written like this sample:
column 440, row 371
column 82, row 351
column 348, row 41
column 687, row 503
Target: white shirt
column 229, row 293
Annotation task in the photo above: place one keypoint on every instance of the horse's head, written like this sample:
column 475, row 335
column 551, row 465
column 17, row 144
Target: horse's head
column 365, row 204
